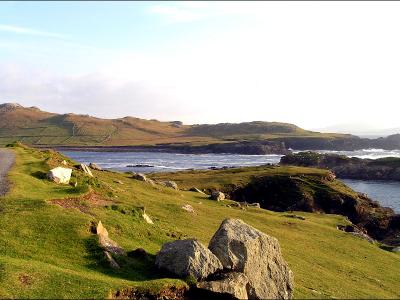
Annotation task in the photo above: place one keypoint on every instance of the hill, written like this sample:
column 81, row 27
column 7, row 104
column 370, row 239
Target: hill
column 35, row 127
column 47, row 249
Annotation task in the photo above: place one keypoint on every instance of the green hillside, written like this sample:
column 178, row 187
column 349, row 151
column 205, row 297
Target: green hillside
column 48, row 251
column 35, row 127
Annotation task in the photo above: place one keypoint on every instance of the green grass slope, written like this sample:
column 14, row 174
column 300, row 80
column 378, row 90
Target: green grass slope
column 48, row 251
column 35, row 127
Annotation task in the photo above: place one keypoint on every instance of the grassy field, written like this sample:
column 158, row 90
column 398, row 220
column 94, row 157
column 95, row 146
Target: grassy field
column 48, row 251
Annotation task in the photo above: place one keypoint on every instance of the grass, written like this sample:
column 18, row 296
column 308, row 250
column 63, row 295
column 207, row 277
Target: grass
column 35, row 127
column 47, row 251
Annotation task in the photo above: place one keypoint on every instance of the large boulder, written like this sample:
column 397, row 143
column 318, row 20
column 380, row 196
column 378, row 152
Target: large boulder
column 242, row 248
column 233, row 284
column 60, row 175
column 217, row 195
column 187, row 257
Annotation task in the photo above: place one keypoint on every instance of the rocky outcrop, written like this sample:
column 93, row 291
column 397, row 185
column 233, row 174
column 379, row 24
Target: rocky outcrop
column 187, row 258
column 217, row 195
column 348, row 167
column 60, row 175
column 242, row 248
column 232, row 285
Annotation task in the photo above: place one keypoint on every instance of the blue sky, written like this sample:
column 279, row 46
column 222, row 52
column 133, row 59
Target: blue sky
column 310, row 63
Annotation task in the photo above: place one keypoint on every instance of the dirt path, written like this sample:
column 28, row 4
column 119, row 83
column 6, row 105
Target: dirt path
column 7, row 159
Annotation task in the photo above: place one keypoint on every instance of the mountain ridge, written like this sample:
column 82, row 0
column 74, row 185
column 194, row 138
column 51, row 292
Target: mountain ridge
column 38, row 128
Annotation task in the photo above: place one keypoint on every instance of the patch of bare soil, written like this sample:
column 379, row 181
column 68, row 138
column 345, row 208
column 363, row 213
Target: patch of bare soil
column 83, row 203
column 25, row 279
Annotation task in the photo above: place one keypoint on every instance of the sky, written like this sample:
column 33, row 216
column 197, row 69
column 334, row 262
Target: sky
column 313, row 64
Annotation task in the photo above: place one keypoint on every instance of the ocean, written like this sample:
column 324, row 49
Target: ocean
column 386, row 192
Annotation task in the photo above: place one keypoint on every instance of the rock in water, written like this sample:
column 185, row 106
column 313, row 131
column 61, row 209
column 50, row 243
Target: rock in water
column 60, row 175
column 217, row 195
column 233, row 284
column 94, row 166
column 187, row 257
column 242, row 248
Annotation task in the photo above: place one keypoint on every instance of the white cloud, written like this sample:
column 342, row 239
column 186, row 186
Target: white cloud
column 312, row 64
column 28, row 31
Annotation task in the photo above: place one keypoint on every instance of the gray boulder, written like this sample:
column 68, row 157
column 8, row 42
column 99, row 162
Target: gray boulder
column 187, row 257
column 233, row 284
column 242, row 248
column 217, row 195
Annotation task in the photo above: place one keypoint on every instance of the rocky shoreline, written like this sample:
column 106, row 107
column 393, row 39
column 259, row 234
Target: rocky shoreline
column 245, row 147
column 348, row 167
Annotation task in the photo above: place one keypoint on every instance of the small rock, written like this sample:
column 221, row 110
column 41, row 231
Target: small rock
column 139, row 176
column 94, row 166
column 255, row 204
column 119, row 181
column 108, row 244
column 147, row 219
column 101, row 230
column 196, row 190
column 217, row 195
column 188, row 208
column 171, row 184
column 60, row 175
column 111, row 261
column 233, row 284
column 187, row 257
column 397, row 249
column 86, row 170
column 64, row 163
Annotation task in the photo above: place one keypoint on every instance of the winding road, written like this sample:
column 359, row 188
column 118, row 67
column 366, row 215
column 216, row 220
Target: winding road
column 7, row 159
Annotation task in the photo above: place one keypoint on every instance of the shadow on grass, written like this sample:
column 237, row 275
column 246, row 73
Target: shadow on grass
column 138, row 268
